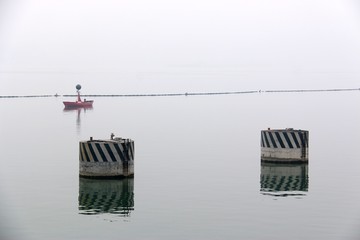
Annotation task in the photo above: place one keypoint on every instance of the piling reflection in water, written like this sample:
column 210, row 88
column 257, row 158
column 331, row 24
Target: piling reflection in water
column 106, row 196
column 282, row 180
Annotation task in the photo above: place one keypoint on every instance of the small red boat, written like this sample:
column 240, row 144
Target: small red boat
column 79, row 103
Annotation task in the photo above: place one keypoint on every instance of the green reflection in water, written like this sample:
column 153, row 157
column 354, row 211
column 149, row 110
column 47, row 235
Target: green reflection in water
column 106, row 196
column 284, row 180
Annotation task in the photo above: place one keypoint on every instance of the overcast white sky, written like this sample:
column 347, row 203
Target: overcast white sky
column 242, row 44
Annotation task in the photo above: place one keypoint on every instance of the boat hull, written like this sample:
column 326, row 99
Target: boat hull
column 77, row 104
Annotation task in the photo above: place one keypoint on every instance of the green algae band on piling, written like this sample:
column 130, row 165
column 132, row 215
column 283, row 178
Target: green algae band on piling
column 284, row 145
column 113, row 158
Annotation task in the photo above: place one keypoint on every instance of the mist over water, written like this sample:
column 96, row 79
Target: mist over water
column 138, row 46
column 198, row 173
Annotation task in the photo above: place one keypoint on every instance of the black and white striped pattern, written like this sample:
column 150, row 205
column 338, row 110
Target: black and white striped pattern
column 107, row 151
column 284, row 139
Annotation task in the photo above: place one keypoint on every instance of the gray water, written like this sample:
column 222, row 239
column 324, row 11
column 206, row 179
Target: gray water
column 198, row 173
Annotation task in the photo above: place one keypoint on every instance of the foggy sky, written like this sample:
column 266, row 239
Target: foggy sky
column 147, row 46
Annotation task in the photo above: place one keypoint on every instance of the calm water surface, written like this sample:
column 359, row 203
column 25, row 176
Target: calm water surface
column 197, row 169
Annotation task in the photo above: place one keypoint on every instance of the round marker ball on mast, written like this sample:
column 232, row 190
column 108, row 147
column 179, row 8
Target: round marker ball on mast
column 78, row 87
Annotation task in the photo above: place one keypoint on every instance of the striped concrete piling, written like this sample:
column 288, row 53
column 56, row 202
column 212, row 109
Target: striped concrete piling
column 284, row 145
column 113, row 158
